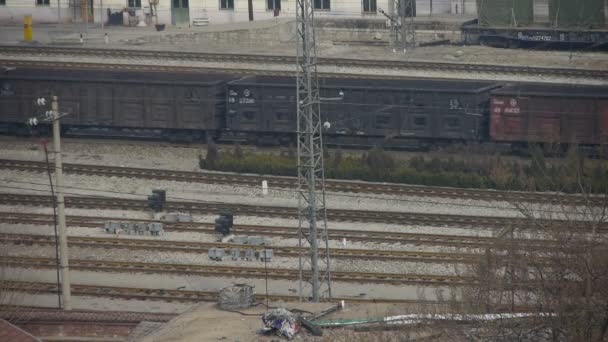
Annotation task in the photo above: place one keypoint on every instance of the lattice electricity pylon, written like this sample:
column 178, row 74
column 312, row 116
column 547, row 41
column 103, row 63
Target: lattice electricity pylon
column 403, row 30
column 312, row 217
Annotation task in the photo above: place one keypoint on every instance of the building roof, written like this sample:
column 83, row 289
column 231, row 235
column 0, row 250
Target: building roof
column 12, row 333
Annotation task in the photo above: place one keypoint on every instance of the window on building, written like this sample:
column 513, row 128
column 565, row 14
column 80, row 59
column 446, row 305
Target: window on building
column 322, row 4
column 273, row 4
column 369, row 6
column 227, row 4
column 135, row 3
column 180, row 3
column 42, row 2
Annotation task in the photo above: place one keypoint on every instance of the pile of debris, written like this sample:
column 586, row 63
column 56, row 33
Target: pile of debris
column 242, row 253
column 134, row 228
column 238, row 254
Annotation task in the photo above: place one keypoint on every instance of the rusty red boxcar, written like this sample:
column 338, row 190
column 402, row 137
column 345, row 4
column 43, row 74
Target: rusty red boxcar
column 557, row 114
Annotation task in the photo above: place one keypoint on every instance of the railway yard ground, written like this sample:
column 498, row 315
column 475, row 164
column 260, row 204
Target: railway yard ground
column 379, row 267
column 235, row 41
column 396, row 249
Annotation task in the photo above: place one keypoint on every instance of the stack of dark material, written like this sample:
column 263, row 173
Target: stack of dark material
column 224, row 223
column 114, row 18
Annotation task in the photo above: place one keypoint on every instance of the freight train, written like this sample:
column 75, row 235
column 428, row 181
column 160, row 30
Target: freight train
column 408, row 114
column 523, row 23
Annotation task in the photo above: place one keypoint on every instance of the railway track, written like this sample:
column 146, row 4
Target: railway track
column 236, row 271
column 390, row 217
column 291, row 183
column 285, row 232
column 203, row 247
column 41, row 52
column 25, row 313
column 167, row 295
column 342, row 215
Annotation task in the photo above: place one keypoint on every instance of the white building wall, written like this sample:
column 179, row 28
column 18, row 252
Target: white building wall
column 339, row 9
column 15, row 10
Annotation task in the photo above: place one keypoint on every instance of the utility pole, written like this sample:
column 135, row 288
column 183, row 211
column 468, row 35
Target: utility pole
column 403, row 30
column 63, row 239
column 312, row 217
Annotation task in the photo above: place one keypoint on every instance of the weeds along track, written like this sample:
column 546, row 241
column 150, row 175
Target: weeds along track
column 212, row 208
column 203, row 247
column 285, row 60
column 286, row 232
column 290, row 183
column 235, row 271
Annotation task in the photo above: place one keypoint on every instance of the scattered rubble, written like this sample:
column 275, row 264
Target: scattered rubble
column 238, row 254
column 134, row 228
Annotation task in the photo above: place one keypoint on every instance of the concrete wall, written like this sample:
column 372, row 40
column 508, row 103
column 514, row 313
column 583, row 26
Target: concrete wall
column 16, row 9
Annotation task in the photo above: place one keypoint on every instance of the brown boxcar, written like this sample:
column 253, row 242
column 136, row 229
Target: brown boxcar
column 126, row 103
column 560, row 114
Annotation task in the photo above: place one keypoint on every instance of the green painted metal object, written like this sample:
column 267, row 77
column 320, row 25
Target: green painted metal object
column 180, row 12
column 505, row 13
column 583, row 14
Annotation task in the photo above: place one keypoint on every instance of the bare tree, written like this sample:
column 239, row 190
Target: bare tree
column 564, row 279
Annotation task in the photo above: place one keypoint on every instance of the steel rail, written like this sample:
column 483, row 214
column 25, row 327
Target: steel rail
column 203, row 247
column 287, row 232
column 41, row 51
column 235, row 271
column 289, row 183
column 391, row 217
